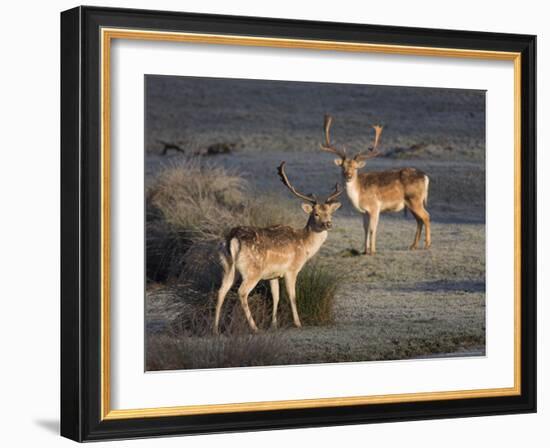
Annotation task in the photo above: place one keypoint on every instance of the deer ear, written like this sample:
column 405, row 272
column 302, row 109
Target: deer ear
column 361, row 164
column 338, row 162
column 308, row 208
column 335, row 206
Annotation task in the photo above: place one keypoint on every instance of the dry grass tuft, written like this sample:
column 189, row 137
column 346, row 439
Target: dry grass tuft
column 190, row 203
column 316, row 289
column 197, row 200
column 205, row 202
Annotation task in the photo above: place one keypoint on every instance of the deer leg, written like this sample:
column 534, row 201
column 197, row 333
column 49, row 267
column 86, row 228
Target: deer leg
column 366, row 220
column 414, row 245
column 373, row 225
column 425, row 217
column 227, row 282
column 244, row 290
column 274, row 285
column 290, row 284
column 422, row 218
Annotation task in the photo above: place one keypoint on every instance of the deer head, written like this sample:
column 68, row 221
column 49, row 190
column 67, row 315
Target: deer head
column 350, row 164
column 320, row 213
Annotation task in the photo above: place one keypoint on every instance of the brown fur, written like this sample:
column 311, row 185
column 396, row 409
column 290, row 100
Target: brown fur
column 377, row 192
column 382, row 191
column 266, row 237
column 407, row 177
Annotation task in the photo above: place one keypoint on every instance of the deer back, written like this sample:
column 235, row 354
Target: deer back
column 272, row 251
column 388, row 189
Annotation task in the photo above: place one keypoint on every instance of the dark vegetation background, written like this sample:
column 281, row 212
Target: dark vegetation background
column 212, row 147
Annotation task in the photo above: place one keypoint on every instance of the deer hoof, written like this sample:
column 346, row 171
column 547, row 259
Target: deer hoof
column 413, row 247
column 274, row 325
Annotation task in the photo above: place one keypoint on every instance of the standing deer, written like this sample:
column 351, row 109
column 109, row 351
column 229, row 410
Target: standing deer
column 383, row 191
column 270, row 253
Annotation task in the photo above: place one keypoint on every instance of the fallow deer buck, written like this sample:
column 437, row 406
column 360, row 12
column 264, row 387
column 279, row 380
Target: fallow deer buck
column 271, row 253
column 373, row 193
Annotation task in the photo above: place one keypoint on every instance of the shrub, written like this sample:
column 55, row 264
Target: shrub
column 205, row 202
column 165, row 248
column 315, row 292
column 189, row 204
column 195, row 199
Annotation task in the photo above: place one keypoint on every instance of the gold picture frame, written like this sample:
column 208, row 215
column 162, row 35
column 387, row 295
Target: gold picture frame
column 107, row 32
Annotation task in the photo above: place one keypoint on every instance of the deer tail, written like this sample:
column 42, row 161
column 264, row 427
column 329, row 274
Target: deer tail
column 427, row 184
column 229, row 252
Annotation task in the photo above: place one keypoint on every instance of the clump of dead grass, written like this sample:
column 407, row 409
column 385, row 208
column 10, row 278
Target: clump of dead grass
column 316, row 289
column 197, row 200
column 191, row 203
column 166, row 353
column 205, row 201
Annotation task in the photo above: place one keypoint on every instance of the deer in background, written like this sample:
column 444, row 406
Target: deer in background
column 373, row 193
column 271, row 253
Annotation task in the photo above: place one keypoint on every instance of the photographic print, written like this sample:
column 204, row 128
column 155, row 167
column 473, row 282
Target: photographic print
column 300, row 222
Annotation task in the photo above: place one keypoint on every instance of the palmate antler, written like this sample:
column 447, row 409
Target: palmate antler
column 328, row 146
column 373, row 150
column 284, row 179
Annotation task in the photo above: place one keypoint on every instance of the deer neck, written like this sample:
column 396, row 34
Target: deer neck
column 353, row 192
column 313, row 240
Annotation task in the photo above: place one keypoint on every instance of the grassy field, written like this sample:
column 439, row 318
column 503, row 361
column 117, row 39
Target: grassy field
column 399, row 304
column 267, row 116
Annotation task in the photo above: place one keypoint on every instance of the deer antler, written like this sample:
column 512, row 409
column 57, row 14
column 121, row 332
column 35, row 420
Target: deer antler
column 328, row 146
column 337, row 192
column 373, row 150
column 284, row 179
